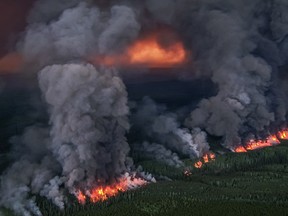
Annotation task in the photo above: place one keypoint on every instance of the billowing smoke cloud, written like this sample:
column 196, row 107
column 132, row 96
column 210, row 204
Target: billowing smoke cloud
column 79, row 32
column 32, row 155
column 89, row 121
column 242, row 60
column 88, row 110
column 159, row 153
column 152, row 123
column 240, row 45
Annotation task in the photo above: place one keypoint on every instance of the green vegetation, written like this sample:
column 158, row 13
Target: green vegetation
column 253, row 183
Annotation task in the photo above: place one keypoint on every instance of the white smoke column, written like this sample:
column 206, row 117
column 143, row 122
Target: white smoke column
column 167, row 130
column 159, row 153
column 89, row 121
column 33, row 169
column 155, row 125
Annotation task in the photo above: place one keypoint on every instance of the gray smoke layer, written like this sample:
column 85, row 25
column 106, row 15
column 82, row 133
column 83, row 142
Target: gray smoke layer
column 85, row 141
column 89, row 122
column 44, row 10
column 243, row 59
column 34, row 168
column 78, row 33
column 154, row 124
column 242, row 45
column 159, row 153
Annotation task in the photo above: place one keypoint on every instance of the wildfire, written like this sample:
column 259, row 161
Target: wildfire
column 269, row 141
column 240, row 149
column 81, row 197
column 148, row 52
column 102, row 193
column 205, row 159
column 198, row 164
column 283, row 134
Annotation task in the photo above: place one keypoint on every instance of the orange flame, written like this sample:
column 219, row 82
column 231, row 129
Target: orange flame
column 283, row 134
column 212, row 156
column 198, row 164
column 81, row 197
column 102, row 193
column 148, row 52
column 257, row 144
column 205, row 159
column 240, row 149
column 271, row 140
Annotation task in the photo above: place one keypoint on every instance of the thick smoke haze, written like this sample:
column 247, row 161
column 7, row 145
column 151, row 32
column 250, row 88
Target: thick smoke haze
column 151, row 122
column 85, row 126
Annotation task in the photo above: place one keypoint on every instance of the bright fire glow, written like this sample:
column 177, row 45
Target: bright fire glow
column 272, row 140
column 147, row 52
column 81, row 197
column 150, row 52
column 257, row 144
column 102, row 193
column 283, row 134
column 198, row 164
column 205, row 159
column 240, row 149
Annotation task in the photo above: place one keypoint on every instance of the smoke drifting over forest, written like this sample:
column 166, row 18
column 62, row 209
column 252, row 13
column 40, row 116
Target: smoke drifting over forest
column 86, row 125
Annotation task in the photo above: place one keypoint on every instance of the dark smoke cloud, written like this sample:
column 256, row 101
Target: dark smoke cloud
column 232, row 45
column 88, row 108
column 152, row 123
column 78, row 32
column 88, row 117
column 241, row 46
column 159, row 153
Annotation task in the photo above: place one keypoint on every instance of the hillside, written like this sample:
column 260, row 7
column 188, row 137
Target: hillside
column 253, row 183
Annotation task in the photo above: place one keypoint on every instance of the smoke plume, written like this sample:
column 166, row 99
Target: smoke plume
column 242, row 60
column 85, row 140
column 241, row 46
column 152, row 123
column 89, row 121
